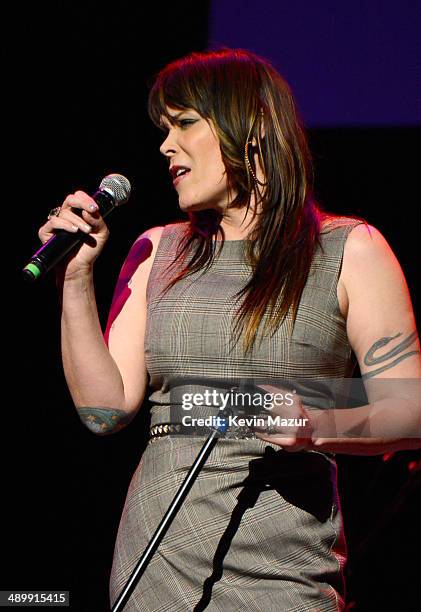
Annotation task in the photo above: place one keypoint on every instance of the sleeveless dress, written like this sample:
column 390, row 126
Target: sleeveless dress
column 261, row 528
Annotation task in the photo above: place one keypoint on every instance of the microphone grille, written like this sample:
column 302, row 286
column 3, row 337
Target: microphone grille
column 118, row 185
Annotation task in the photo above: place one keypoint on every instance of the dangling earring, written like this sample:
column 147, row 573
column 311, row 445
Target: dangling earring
column 249, row 166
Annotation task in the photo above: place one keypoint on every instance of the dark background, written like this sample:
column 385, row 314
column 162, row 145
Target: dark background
column 77, row 82
column 348, row 64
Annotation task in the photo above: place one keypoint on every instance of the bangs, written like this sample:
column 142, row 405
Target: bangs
column 179, row 86
column 159, row 102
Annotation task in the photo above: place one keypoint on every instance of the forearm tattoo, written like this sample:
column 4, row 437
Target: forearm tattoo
column 397, row 351
column 103, row 420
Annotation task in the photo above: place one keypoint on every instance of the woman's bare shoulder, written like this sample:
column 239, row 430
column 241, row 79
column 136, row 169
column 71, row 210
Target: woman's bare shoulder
column 366, row 241
column 153, row 234
column 330, row 222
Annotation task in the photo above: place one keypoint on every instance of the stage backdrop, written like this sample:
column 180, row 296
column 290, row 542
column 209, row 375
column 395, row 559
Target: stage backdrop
column 348, row 64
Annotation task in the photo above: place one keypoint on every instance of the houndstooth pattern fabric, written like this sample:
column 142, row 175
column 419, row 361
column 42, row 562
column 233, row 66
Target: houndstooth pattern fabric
column 261, row 529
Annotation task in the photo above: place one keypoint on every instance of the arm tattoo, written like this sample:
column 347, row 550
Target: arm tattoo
column 103, row 420
column 370, row 359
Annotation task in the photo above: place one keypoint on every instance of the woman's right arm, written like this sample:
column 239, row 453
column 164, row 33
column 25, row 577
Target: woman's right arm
column 107, row 382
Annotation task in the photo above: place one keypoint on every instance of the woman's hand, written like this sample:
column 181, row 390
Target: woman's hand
column 288, row 424
column 80, row 260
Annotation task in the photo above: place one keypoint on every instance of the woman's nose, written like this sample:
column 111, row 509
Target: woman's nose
column 169, row 145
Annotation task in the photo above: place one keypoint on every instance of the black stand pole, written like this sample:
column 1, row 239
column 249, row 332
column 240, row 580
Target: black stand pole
column 171, row 513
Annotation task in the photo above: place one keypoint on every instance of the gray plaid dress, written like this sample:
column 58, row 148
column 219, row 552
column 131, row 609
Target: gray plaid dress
column 261, row 529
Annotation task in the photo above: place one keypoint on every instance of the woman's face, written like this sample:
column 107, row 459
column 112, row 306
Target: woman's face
column 195, row 161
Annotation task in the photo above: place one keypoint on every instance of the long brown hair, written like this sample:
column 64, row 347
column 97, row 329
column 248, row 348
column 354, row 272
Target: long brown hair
column 247, row 100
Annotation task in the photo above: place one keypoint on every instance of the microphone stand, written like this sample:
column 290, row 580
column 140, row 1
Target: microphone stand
column 171, row 512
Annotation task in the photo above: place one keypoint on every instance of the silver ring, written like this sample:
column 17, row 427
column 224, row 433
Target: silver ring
column 54, row 212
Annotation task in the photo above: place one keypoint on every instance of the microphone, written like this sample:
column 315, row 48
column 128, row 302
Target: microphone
column 113, row 191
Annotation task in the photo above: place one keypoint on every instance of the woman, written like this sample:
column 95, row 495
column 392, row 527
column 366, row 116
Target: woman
column 259, row 285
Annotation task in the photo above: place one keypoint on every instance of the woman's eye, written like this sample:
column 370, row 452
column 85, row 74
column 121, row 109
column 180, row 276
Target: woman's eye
column 186, row 122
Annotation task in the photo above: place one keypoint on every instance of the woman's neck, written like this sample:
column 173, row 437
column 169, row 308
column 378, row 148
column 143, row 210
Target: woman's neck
column 236, row 224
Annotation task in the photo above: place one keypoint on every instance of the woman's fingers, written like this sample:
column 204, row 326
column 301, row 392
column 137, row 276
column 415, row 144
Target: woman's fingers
column 80, row 200
column 66, row 221
column 288, row 428
column 287, row 422
column 293, row 434
column 84, row 221
column 71, row 221
column 47, row 230
column 291, row 444
column 80, row 204
column 78, row 212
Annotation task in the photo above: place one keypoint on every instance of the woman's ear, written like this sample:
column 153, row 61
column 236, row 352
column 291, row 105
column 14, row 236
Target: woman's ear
column 262, row 124
column 262, row 131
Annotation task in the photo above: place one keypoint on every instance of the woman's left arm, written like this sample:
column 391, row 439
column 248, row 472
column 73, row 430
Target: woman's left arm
column 382, row 332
